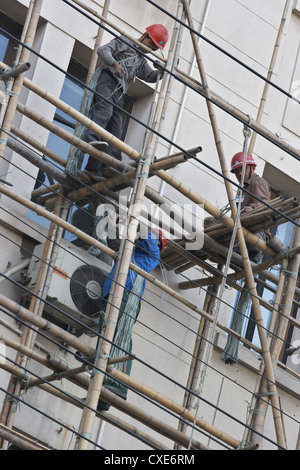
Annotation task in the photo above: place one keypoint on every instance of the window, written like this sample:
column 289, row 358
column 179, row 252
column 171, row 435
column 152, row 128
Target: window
column 284, row 233
column 8, row 46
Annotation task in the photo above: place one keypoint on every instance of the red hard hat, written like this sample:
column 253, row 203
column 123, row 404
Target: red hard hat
column 161, row 237
column 159, row 34
column 237, row 161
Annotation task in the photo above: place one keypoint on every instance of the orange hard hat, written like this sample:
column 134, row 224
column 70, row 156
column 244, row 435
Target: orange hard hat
column 162, row 238
column 237, row 161
column 159, row 34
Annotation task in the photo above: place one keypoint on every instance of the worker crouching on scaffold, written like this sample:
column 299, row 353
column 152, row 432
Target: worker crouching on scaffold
column 122, row 62
column 255, row 186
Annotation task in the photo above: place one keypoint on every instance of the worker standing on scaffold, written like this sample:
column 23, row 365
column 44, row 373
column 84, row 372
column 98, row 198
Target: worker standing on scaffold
column 122, row 62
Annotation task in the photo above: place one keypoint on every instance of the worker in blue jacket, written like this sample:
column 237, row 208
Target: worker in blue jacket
column 146, row 255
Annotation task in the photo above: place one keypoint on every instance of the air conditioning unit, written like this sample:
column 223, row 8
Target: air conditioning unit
column 75, row 287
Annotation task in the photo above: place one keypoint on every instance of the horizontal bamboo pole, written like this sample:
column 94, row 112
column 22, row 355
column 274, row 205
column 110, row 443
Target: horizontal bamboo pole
column 45, row 325
column 19, row 439
column 171, row 405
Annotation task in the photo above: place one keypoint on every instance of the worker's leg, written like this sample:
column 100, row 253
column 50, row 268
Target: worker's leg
column 105, row 114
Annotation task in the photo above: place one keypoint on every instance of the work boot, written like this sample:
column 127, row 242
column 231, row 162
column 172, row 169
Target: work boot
column 99, row 144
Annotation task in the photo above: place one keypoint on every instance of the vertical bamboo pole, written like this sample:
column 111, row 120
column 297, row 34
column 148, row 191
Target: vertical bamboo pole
column 270, row 72
column 249, row 275
column 198, row 351
column 28, row 34
column 257, row 409
column 31, row 27
column 122, row 267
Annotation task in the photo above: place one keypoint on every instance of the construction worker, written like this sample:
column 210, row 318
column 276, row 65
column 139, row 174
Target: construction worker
column 122, row 62
column 256, row 186
column 146, row 255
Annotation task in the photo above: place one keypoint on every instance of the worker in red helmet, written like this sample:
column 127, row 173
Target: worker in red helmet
column 122, row 61
column 256, row 186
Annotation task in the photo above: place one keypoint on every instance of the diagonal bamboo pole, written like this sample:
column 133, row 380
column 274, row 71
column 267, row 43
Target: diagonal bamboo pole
column 291, row 274
column 249, row 275
column 28, row 33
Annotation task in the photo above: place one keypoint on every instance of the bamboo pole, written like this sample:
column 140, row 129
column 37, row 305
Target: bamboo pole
column 19, row 439
column 47, row 326
column 256, row 409
column 29, row 32
column 249, row 275
column 240, row 115
column 171, row 405
column 16, row 84
column 198, row 351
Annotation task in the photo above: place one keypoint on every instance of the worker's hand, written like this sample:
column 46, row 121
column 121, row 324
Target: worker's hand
column 119, row 71
column 247, row 209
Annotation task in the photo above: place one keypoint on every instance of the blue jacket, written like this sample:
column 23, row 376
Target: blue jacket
column 146, row 255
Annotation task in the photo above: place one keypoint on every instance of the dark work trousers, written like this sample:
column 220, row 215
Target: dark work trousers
column 105, row 114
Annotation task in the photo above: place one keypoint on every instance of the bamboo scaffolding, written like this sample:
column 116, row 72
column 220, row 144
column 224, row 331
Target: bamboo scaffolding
column 170, row 404
column 183, row 189
column 139, row 190
column 91, row 241
column 82, row 380
column 242, row 243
